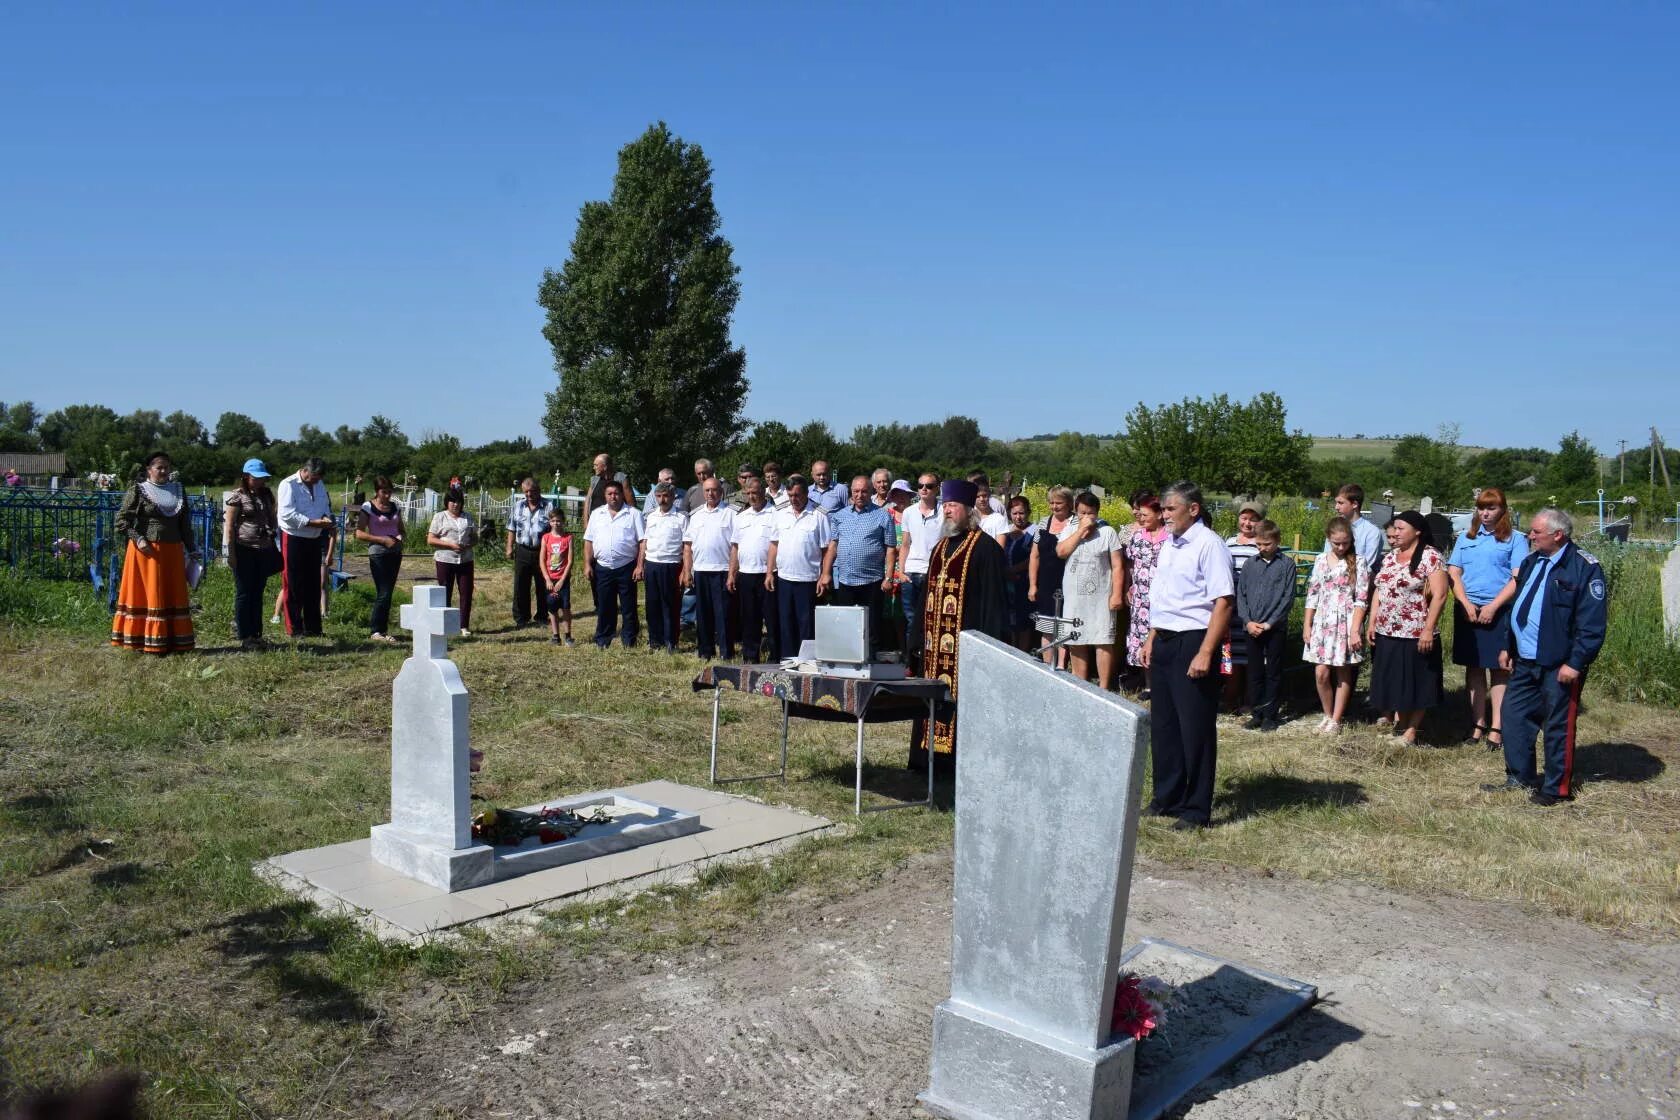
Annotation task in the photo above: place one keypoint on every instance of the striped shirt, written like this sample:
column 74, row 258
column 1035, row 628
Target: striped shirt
column 526, row 524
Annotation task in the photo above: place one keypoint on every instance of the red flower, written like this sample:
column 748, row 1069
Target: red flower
column 1133, row 1014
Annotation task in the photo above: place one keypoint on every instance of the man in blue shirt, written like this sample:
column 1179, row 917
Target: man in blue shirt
column 1368, row 536
column 527, row 520
column 826, row 494
column 1557, row 630
column 867, row 548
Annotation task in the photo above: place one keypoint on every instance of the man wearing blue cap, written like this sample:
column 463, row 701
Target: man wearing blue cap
column 967, row 589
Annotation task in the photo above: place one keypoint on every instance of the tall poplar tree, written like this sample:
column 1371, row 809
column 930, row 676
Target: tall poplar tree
column 639, row 318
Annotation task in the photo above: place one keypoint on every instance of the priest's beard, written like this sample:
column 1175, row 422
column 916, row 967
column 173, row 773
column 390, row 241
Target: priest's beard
column 949, row 528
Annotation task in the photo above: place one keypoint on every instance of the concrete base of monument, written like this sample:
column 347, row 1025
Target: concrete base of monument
column 716, row 828
column 987, row 1067
column 418, row 858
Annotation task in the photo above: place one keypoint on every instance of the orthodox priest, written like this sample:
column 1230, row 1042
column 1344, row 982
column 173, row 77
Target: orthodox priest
column 967, row 589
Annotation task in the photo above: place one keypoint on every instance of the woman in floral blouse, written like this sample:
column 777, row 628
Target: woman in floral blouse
column 1142, row 550
column 1411, row 591
column 1332, row 637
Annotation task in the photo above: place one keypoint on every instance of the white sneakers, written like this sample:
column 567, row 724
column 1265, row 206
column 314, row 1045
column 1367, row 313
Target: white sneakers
column 1328, row 726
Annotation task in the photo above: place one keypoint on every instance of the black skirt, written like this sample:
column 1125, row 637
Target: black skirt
column 1478, row 646
column 1402, row 679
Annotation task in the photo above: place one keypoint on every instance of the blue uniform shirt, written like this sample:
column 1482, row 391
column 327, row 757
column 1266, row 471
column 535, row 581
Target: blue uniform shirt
column 830, row 499
column 861, row 556
column 1565, row 624
column 1527, row 635
column 1488, row 563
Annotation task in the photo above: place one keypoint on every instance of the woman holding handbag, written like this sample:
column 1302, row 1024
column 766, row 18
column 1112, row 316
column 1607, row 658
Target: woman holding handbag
column 250, row 530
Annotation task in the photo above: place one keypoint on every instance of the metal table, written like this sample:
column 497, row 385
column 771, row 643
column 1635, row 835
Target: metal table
column 825, row 697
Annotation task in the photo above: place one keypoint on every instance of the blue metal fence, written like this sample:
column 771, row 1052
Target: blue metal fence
column 72, row 534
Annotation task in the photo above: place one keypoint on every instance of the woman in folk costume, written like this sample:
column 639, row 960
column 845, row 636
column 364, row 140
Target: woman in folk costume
column 153, row 611
column 967, row 589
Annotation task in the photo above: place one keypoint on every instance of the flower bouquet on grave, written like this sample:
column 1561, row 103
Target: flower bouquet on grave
column 512, row 827
column 1140, row 1005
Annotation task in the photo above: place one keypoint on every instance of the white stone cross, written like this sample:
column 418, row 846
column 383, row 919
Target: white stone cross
column 432, row 622
column 430, row 834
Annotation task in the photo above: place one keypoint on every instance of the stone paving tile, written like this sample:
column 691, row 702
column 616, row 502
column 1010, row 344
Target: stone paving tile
column 318, row 859
column 389, row 893
column 434, row 914
column 349, row 876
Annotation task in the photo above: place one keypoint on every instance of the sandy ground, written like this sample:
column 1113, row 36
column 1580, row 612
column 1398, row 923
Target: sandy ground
column 1431, row 1008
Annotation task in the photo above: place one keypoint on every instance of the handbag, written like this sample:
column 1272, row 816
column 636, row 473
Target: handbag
column 271, row 561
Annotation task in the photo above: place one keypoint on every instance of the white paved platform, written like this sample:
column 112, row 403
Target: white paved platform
column 345, row 877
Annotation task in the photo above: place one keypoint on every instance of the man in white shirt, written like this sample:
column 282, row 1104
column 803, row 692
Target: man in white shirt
column 801, row 565
column 706, row 546
column 1190, row 603
column 679, row 501
column 749, row 564
column 989, row 519
column 774, row 492
column 305, row 515
column 918, row 532
column 612, row 551
column 661, row 568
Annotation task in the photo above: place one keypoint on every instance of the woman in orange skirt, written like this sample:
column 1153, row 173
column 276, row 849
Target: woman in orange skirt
column 154, row 614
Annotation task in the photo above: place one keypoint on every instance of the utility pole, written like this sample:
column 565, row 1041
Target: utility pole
column 1621, row 461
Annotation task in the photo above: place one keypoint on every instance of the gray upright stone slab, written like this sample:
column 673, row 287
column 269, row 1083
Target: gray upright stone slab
column 430, row 834
column 1049, row 777
column 1671, row 595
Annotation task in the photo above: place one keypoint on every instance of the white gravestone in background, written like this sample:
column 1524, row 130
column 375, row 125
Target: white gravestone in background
column 430, row 834
column 1671, row 595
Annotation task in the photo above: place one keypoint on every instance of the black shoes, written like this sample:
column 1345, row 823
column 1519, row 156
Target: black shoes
column 1547, row 800
column 1507, row 786
column 1186, row 824
column 1253, row 723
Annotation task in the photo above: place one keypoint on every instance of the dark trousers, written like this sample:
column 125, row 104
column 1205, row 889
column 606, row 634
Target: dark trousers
column 302, row 581
column 1265, row 672
column 1183, row 734
column 910, row 594
column 760, row 636
column 528, row 585
column 383, row 566
column 452, row 576
column 711, row 614
column 615, row 595
column 664, row 603
column 249, row 586
column 796, row 604
column 867, row 595
column 1536, row 703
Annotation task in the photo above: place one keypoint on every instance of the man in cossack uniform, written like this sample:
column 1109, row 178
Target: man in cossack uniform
column 1557, row 630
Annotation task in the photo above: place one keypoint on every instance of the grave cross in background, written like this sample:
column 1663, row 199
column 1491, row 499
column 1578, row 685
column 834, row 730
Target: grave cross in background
column 1599, row 502
column 432, row 622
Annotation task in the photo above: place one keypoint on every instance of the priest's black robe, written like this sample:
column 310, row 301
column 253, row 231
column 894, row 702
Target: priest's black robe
column 967, row 589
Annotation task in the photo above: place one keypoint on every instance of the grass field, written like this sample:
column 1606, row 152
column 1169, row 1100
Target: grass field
column 136, row 795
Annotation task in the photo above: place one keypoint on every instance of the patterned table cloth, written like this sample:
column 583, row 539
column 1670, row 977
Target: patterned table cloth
column 819, row 696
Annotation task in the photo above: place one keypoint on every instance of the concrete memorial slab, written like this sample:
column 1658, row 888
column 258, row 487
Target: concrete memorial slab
column 1049, row 786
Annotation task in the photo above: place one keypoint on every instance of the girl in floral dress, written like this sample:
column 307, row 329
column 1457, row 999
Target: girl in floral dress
column 1337, row 594
column 1142, row 551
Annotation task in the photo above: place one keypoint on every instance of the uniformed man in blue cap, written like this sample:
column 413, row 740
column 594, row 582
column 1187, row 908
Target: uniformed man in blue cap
column 1557, row 630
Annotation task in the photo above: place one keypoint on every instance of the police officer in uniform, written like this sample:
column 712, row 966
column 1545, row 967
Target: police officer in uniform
column 1557, row 629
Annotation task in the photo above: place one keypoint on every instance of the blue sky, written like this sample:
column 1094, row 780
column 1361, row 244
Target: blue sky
column 1393, row 213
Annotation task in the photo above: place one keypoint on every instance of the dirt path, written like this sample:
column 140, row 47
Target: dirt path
column 1431, row 1008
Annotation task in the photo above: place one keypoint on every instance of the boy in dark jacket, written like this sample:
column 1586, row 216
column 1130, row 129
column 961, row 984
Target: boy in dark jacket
column 1265, row 593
